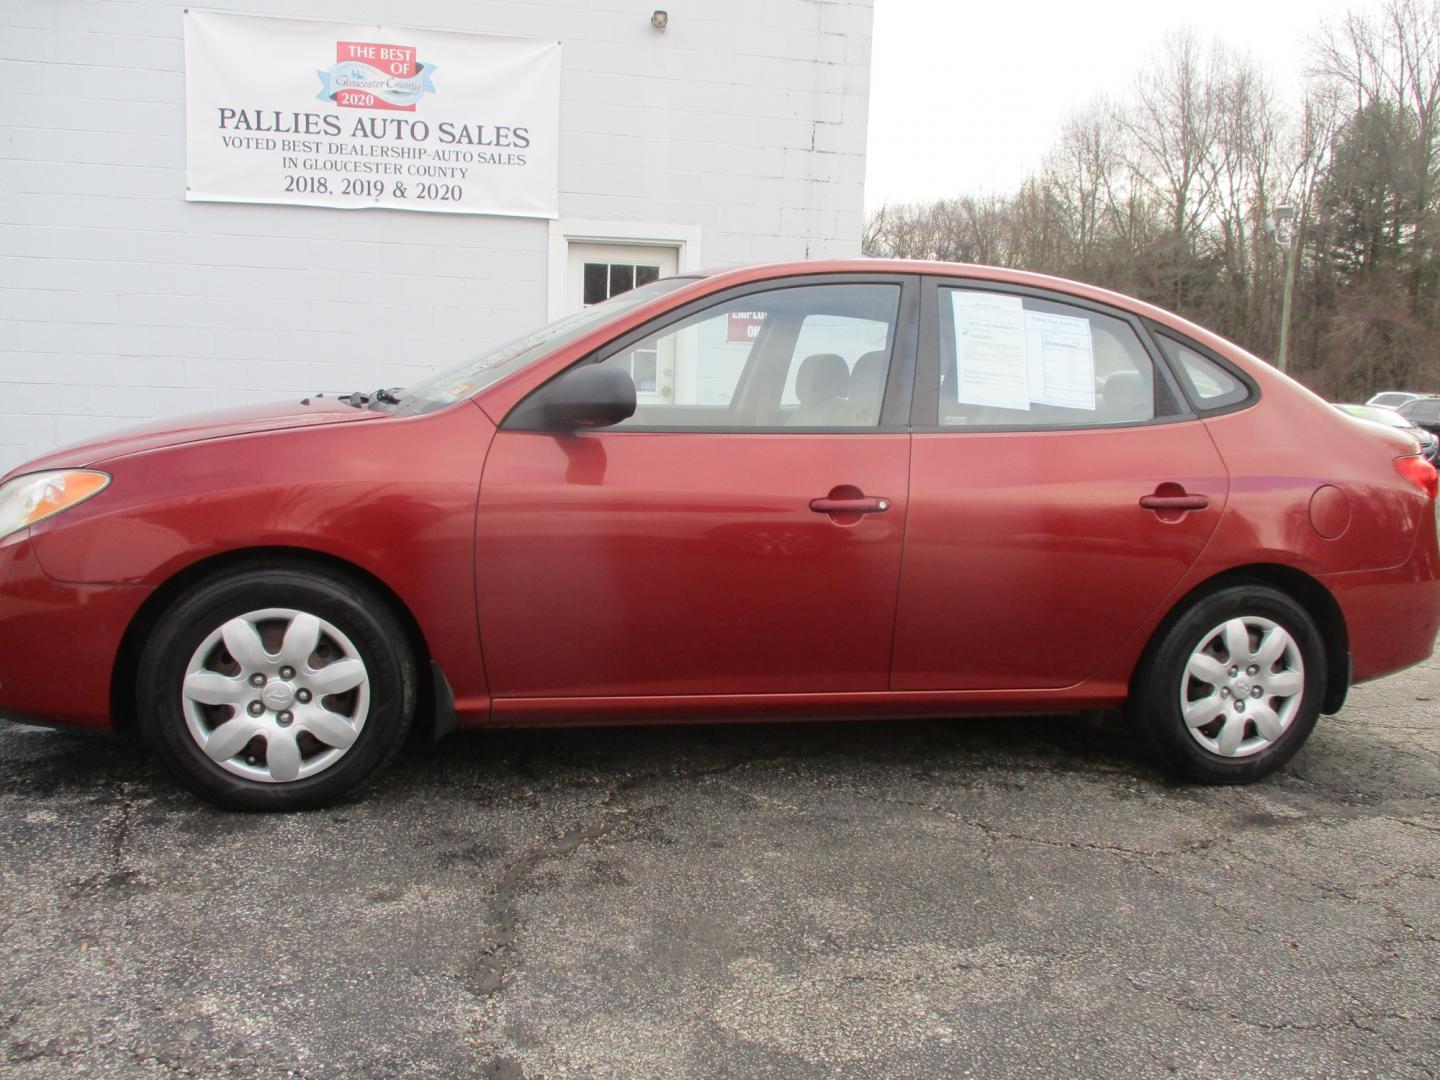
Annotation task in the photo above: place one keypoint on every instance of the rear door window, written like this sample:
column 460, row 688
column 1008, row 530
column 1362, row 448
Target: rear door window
column 1010, row 361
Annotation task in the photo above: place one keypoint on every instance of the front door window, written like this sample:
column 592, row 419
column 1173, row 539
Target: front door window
column 813, row 356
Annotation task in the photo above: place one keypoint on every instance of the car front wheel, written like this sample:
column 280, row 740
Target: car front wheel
column 1232, row 689
column 276, row 688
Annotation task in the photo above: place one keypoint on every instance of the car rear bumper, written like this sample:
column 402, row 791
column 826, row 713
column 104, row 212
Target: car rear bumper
column 58, row 641
column 1391, row 616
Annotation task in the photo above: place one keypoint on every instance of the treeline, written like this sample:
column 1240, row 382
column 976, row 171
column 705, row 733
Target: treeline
column 1166, row 195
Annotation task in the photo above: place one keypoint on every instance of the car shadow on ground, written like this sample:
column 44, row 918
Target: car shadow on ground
column 47, row 762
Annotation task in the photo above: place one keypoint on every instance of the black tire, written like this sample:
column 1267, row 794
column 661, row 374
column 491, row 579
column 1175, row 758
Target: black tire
column 366, row 619
column 1154, row 707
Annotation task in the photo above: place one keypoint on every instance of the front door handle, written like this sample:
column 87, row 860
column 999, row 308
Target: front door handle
column 861, row 505
column 1174, row 502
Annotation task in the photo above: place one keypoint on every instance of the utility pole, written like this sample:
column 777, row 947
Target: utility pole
column 1281, row 225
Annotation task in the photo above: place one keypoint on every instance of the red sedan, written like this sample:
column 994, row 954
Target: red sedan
column 862, row 489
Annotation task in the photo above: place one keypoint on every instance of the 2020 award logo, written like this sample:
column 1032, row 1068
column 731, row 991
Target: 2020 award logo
column 369, row 75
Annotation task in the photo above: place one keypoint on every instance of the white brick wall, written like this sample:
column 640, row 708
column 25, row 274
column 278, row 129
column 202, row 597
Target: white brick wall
column 119, row 301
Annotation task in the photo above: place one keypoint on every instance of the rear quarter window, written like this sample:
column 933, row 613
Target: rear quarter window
column 1208, row 384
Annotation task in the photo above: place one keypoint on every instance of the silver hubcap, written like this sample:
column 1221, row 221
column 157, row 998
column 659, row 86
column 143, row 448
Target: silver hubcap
column 276, row 695
column 1242, row 686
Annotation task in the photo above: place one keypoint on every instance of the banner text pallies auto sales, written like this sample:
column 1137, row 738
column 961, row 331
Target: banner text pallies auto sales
column 260, row 126
column 447, row 132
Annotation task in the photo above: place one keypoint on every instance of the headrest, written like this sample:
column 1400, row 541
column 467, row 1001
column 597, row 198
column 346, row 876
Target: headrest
column 868, row 373
column 1127, row 396
column 821, row 377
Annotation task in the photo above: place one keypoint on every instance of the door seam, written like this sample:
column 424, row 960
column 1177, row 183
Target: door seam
column 900, row 568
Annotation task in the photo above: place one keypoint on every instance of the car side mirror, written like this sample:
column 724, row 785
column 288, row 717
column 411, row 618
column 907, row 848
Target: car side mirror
column 588, row 396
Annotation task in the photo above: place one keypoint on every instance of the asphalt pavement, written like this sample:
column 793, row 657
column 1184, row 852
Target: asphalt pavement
column 988, row 898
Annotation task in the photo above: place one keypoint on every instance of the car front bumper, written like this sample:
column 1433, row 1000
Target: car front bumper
column 58, row 641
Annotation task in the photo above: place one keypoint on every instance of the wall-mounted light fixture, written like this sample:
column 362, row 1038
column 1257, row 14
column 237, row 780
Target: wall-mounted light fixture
column 660, row 20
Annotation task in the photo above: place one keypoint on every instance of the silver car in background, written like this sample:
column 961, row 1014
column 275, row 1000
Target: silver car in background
column 1392, row 399
column 1386, row 416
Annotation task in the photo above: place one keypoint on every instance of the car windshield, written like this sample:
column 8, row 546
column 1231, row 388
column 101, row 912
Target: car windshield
column 469, row 378
column 1422, row 411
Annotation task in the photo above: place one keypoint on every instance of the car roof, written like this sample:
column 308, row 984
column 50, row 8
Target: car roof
column 742, row 275
column 977, row 271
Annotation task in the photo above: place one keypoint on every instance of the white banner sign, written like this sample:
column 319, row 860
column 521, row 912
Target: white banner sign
column 336, row 114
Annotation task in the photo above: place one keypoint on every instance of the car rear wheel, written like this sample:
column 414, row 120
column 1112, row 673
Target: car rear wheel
column 1232, row 689
column 276, row 688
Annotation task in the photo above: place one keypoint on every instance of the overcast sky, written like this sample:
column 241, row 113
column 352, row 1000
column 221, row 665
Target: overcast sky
column 968, row 95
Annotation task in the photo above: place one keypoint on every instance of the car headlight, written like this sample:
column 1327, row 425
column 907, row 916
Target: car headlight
column 28, row 499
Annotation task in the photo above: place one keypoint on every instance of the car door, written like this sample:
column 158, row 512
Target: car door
column 1059, row 490
column 741, row 536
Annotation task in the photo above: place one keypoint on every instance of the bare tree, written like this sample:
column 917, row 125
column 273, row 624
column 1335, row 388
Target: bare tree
column 1172, row 124
column 1166, row 193
column 1083, row 174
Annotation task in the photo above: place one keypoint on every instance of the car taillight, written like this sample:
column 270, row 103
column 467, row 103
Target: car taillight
column 1419, row 472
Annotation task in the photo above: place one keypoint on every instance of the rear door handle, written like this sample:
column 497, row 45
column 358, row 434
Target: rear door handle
column 868, row 505
column 1174, row 502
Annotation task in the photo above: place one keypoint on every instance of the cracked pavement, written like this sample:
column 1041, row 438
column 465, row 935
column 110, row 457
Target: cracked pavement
column 982, row 897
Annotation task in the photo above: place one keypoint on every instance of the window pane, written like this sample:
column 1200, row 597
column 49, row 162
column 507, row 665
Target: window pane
column 808, row 356
column 644, row 369
column 1208, row 383
column 646, row 274
column 622, row 279
column 1011, row 361
column 596, row 283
